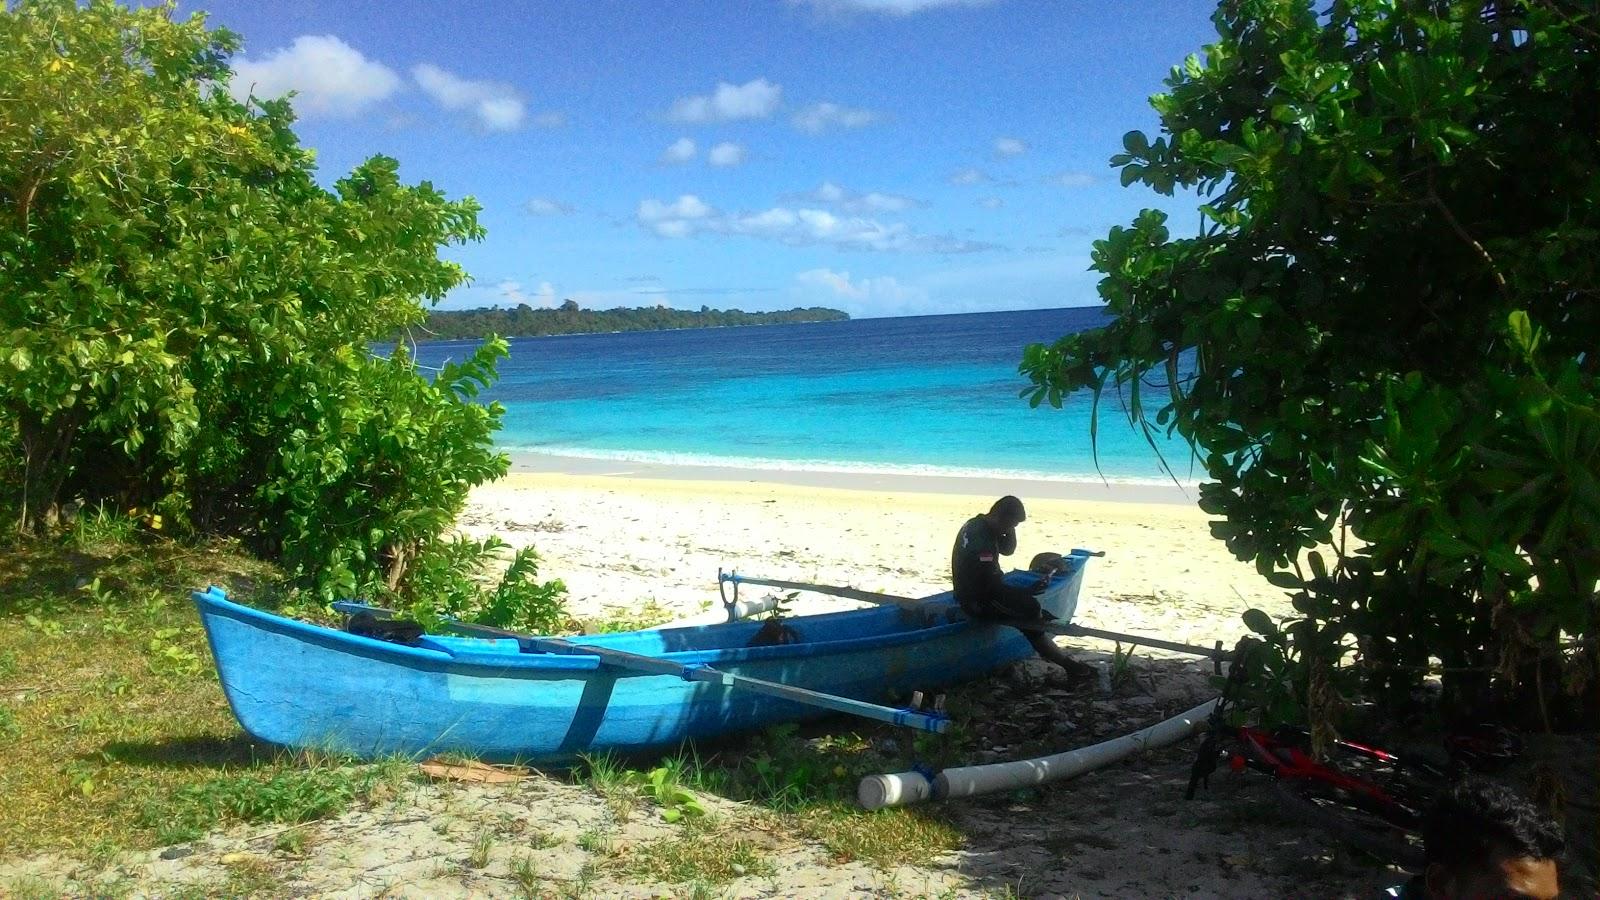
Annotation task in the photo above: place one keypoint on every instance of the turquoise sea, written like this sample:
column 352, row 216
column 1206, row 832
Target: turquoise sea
column 924, row 394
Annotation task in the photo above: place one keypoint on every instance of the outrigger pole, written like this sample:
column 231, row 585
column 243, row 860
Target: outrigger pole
column 1067, row 629
column 934, row 722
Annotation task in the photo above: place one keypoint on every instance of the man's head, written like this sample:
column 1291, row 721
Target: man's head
column 1483, row 841
column 1007, row 512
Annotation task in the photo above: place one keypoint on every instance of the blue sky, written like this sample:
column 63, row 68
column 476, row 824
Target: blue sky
column 886, row 157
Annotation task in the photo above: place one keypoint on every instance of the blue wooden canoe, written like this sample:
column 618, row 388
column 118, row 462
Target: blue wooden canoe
column 310, row 687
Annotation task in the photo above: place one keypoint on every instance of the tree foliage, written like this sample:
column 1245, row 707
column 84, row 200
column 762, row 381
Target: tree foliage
column 1382, row 340
column 185, row 312
column 525, row 321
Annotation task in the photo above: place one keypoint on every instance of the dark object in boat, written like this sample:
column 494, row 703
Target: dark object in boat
column 395, row 631
column 774, row 633
column 1048, row 564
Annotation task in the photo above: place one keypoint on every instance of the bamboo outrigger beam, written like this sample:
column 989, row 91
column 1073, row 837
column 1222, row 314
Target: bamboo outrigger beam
column 1065, row 629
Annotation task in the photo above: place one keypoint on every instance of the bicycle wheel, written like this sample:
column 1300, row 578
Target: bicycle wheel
column 1347, row 819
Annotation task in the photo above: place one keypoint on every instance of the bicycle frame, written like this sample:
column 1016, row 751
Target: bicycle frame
column 1287, row 762
column 1267, row 752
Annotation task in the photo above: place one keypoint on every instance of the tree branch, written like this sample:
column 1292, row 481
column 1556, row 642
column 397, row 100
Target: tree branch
column 1461, row 232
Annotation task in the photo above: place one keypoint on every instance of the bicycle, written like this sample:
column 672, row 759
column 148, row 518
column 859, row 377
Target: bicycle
column 1371, row 798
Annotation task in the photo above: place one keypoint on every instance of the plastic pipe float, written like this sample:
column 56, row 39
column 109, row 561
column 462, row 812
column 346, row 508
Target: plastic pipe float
column 905, row 788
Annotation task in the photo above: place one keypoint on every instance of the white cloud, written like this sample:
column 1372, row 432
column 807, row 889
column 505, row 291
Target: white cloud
column 755, row 99
column 544, row 206
column 726, row 153
column 873, row 296
column 991, row 202
column 330, row 77
column 554, row 118
column 679, row 151
column 1008, row 146
column 968, row 176
column 679, row 218
column 689, row 215
column 820, row 117
column 885, row 7
column 495, row 106
column 1071, row 179
column 511, row 292
column 846, row 200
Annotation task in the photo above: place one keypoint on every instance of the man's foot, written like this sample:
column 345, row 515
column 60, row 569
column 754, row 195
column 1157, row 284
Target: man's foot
column 1077, row 672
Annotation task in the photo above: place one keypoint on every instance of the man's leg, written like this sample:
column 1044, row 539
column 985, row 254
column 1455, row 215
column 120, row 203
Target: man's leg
column 1049, row 652
column 1021, row 605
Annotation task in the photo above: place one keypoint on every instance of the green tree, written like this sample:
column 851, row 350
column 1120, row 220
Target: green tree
column 1382, row 340
column 185, row 312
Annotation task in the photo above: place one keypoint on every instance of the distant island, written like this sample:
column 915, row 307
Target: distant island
column 526, row 321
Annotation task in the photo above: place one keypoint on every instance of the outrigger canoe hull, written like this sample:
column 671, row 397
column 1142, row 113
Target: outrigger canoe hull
column 309, row 687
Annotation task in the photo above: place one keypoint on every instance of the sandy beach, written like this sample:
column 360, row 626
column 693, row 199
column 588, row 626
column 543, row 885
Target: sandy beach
column 622, row 536
column 648, row 540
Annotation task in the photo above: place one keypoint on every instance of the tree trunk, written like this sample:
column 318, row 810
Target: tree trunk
column 399, row 559
column 46, row 451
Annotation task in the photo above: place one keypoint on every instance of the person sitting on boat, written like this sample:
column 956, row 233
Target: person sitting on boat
column 980, row 585
column 1481, row 839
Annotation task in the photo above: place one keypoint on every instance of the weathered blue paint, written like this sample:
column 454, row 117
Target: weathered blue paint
column 306, row 686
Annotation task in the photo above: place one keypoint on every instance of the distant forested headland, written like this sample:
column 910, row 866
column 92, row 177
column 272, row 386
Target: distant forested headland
column 526, row 321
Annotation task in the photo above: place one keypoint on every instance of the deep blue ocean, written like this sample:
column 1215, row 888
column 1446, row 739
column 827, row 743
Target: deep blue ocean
column 924, row 394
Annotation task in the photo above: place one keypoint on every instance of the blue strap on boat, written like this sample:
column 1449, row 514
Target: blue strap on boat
column 929, row 721
column 688, row 671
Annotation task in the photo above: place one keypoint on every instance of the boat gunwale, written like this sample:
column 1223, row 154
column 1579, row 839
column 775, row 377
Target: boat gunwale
column 213, row 602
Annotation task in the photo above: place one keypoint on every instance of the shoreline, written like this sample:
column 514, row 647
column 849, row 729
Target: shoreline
column 532, row 462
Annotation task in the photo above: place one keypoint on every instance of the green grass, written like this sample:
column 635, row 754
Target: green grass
column 596, row 841
column 482, row 846
column 122, row 738
column 316, row 789
column 525, row 874
column 886, row 837
column 700, row 852
column 114, row 728
column 806, row 785
column 293, row 842
column 612, row 780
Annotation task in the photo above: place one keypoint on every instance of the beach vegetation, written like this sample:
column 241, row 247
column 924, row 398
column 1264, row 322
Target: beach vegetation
column 293, row 841
column 664, row 784
column 527, row 321
column 109, row 748
column 482, row 847
column 884, row 837
column 186, row 317
column 1379, row 341
column 705, row 851
column 525, row 874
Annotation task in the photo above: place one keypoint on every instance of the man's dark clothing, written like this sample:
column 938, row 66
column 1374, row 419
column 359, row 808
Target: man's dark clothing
column 979, row 581
column 981, row 589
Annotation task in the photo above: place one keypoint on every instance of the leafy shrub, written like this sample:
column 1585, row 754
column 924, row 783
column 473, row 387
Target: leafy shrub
column 447, row 582
column 369, row 477
column 1380, row 342
column 187, row 315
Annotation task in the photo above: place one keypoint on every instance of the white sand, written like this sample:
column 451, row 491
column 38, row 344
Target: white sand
column 619, row 542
